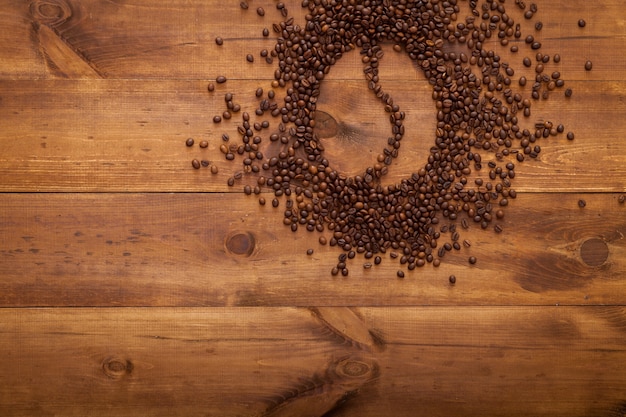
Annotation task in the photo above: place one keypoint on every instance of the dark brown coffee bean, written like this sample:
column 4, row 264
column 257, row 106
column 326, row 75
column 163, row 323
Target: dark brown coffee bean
column 211, row 87
column 400, row 274
column 196, row 164
column 588, row 65
column 243, row 5
column 452, row 279
column 570, row 135
column 260, row 11
column 203, row 144
column 189, row 142
column 472, row 260
column 582, row 203
column 249, row 58
column 581, row 23
column 221, row 79
column 217, row 119
column 266, row 32
column 522, row 81
column 214, row 169
column 526, row 61
column 568, row 92
column 309, row 252
column 622, row 198
column 538, row 26
column 219, row 41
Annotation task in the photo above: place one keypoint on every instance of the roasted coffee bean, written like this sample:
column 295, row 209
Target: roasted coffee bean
column 309, row 252
column 568, row 92
column 203, row 144
column 472, row 260
column 211, row 87
column 622, row 198
column 214, row 169
column 570, row 135
column 220, row 79
column 249, row 58
column 452, row 279
column 581, row 23
column 219, row 41
column 477, row 110
column 189, row 142
column 196, row 164
column 588, row 65
column 260, row 11
column 582, row 203
column 400, row 274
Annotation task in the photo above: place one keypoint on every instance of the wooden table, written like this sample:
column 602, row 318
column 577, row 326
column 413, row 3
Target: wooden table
column 132, row 284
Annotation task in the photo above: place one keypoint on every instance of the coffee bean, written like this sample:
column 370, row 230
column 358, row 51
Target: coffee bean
column 249, row 58
column 472, row 260
column 214, row 169
column 477, row 113
column 309, row 252
column 196, row 164
column 588, row 65
column 622, row 198
column 568, row 92
column 582, row 23
column 570, row 135
column 582, row 203
column 400, row 274
column 260, row 11
column 189, row 142
column 220, row 79
column 219, row 41
column 203, row 144
column 211, row 87
column 452, row 279
column 217, row 119
column 243, row 5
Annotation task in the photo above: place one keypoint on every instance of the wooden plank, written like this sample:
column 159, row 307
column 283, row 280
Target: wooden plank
column 144, row 39
column 226, row 250
column 428, row 361
column 101, row 135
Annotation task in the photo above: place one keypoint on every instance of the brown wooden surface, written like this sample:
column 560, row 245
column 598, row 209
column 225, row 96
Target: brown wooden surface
column 131, row 284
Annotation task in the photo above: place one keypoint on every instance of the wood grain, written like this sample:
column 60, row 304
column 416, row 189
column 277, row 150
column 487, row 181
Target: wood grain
column 100, row 135
column 175, row 40
column 132, row 284
column 226, row 250
column 465, row 361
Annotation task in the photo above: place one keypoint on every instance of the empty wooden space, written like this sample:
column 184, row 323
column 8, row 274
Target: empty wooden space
column 132, row 284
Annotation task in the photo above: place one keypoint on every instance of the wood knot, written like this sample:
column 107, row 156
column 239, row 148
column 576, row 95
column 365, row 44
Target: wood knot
column 325, row 125
column 50, row 12
column 352, row 368
column 594, row 252
column 117, row 368
column 240, row 243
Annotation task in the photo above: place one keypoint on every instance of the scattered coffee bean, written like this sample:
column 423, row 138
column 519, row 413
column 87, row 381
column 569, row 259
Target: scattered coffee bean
column 220, row 79
column 189, row 142
column 363, row 217
column 195, row 163
column 203, row 144
column 582, row 203
column 472, row 260
column 219, row 41
column 570, row 135
column 582, row 23
column 452, row 279
column 400, row 274
column 588, row 65
column 622, row 198
column 309, row 251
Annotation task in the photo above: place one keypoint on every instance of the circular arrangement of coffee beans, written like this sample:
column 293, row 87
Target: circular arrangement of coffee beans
column 479, row 134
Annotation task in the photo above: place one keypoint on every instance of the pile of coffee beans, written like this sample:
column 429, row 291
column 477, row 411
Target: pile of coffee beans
column 479, row 138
